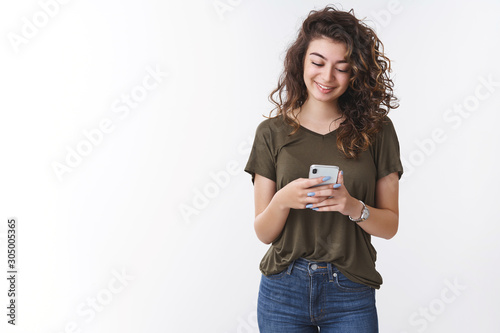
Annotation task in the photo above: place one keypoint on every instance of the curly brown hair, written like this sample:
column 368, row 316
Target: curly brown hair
column 368, row 98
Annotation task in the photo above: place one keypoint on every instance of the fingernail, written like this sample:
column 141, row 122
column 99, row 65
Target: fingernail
column 315, row 208
column 341, row 172
column 337, row 185
column 311, row 194
column 326, row 178
column 309, row 206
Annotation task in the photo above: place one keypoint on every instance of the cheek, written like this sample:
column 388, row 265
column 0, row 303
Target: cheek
column 309, row 72
column 344, row 81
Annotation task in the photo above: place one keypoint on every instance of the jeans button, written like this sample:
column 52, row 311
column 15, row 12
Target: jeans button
column 314, row 267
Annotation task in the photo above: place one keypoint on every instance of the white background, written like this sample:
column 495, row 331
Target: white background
column 118, row 211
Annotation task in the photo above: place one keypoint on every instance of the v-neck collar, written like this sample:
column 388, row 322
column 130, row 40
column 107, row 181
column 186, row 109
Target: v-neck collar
column 316, row 133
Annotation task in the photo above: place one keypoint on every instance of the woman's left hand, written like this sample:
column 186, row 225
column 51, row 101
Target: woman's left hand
column 337, row 199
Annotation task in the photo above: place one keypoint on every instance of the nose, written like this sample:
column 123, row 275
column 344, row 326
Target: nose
column 328, row 74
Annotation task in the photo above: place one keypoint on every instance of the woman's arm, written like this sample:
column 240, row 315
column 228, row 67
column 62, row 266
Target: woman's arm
column 384, row 218
column 270, row 216
column 272, row 208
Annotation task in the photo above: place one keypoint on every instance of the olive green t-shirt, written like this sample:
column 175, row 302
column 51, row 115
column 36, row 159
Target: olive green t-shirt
column 323, row 236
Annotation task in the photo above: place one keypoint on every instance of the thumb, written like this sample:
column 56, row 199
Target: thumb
column 340, row 178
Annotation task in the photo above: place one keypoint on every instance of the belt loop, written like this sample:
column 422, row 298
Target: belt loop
column 290, row 267
column 330, row 273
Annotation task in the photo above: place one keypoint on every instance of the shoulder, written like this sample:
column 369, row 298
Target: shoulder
column 387, row 123
column 271, row 126
column 386, row 142
column 386, row 150
column 386, row 137
column 387, row 128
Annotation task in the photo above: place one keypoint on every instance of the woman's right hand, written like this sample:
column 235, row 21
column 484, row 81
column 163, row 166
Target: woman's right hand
column 298, row 194
column 272, row 208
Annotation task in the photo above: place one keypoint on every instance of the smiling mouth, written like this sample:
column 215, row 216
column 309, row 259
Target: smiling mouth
column 324, row 88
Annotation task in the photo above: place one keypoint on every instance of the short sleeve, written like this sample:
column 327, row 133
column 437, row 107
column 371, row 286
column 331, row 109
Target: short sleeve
column 262, row 158
column 386, row 151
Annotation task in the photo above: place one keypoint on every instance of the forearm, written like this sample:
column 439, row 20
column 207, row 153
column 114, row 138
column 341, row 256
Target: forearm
column 272, row 208
column 269, row 224
column 381, row 223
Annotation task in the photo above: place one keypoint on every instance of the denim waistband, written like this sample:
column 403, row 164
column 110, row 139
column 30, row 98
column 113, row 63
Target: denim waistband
column 313, row 267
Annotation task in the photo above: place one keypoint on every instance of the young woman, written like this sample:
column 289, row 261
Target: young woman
column 332, row 102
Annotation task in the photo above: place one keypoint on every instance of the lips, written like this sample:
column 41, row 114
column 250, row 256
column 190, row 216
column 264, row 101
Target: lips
column 324, row 89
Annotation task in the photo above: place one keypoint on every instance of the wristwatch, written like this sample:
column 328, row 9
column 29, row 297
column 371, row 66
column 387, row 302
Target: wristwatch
column 365, row 213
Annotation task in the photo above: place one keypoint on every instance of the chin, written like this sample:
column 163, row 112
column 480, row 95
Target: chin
column 325, row 99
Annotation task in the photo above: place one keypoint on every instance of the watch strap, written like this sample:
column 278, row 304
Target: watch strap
column 365, row 213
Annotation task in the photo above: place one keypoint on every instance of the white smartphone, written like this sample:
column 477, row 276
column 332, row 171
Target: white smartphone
column 317, row 170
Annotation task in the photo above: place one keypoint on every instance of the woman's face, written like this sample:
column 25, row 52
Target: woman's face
column 326, row 72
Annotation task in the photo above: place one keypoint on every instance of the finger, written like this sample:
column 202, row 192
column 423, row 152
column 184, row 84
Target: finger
column 340, row 177
column 328, row 205
column 323, row 191
column 325, row 209
column 314, row 202
column 326, row 202
column 316, row 181
column 322, row 188
column 314, row 199
column 317, row 200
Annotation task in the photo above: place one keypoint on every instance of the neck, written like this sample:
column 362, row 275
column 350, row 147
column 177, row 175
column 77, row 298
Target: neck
column 319, row 111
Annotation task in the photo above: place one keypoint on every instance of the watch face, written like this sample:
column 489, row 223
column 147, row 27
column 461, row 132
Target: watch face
column 365, row 213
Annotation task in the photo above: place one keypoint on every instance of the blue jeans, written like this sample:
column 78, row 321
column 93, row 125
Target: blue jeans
column 310, row 296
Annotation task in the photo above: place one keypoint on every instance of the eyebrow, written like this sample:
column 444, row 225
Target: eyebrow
column 323, row 57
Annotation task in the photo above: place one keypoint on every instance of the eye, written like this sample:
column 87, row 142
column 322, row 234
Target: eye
column 343, row 71
column 319, row 65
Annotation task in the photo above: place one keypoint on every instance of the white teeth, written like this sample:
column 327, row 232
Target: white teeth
column 327, row 88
